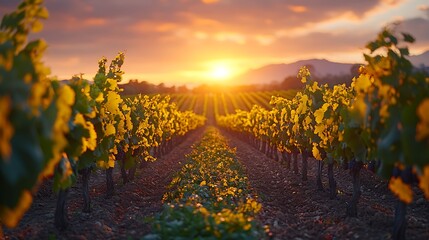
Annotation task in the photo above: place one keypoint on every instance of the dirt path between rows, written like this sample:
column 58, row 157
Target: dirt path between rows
column 296, row 210
column 120, row 217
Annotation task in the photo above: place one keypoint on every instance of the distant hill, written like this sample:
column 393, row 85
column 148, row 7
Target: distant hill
column 419, row 60
column 323, row 70
column 278, row 72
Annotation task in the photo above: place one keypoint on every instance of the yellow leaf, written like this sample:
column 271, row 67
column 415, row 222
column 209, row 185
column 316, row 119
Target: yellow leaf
column 307, row 120
column 316, row 153
column 126, row 147
column 129, row 123
column 79, row 120
column 401, row 190
column 424, row 181
column 111, row 162
column 247, row 227
column 314, row 87
column 304, row 73
column 69, row 171
column 203, row 183
column 319, row 114
column 110, row 130
column 149, row 158
column 340, row 136
column 38, row 89
column 302, row 108
column 43, row 13
column 92, row 140
column 384, row 111
column 101, row 164
column 318, row 129
column 362, row 83
column 6, row 129
column 121, row 127
column 37, row 26
column 92, row 114
column 115, row 149
column 113, row 101
column 125, row 107
column 113, row 84
column 67, row 95
column 100, row 98
column 422, row 128
column 204, row 211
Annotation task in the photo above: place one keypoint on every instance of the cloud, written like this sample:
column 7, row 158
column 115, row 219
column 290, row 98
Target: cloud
column 201, row 35
column 209, row 1
column 145, row 26
column 418, row 27
column 231, row 37
column 298, row 8
column 259, row 17
column 265, row 39
column 163, row 36
column 391, row 2
column 95, row 22
column 425, row 9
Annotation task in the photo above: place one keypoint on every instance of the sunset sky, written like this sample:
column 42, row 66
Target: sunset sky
column 198, row 41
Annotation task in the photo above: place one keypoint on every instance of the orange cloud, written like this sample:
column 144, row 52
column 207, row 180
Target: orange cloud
column 94, row 22
column 231, row 37
column 209, row 1
column 73, row 23
column 198, row 21
column 200, row 35
column 265, row 40
column 165, row 27
column 423, row 7
column 297, row 8
column 391, row 2
column 153, row 26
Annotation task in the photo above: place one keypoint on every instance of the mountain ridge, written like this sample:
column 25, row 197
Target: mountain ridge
column 319, row 68
column 279, row 71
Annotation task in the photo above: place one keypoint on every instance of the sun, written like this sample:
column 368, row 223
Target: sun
column 220, row 72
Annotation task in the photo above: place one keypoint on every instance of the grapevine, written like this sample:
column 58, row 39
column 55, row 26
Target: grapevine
column 381, row 116
column 52, row 129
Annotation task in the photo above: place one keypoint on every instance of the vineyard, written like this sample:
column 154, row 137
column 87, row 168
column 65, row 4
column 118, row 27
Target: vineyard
column 221, row 104
column 80, row 161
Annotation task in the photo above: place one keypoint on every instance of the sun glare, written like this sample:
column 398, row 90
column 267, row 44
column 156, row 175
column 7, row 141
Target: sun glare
column 220, row 72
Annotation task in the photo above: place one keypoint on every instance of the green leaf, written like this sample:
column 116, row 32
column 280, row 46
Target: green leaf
column 404, row 51
column 372, row 46
column 393, row 39
column 408, row 38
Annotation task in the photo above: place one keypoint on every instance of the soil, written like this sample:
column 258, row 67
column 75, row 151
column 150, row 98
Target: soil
column 124, row 216
column 295, row 209
column 292, row 208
